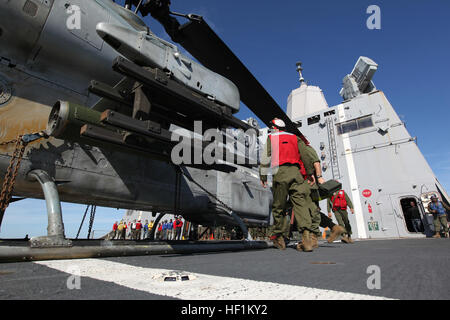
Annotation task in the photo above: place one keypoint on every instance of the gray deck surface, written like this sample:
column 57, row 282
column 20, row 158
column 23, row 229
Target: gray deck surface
column 410, row 269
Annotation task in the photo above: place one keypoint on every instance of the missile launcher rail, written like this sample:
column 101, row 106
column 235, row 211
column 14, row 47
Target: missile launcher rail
column 137, row 119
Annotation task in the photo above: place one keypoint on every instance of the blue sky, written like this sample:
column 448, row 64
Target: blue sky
column 412, row 50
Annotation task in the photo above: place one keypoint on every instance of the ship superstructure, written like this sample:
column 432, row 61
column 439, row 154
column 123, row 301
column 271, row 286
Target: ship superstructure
column 364, row 144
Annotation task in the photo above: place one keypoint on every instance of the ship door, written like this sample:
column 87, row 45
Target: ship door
column 412, row 215
column 388, row 220
column 410, row 221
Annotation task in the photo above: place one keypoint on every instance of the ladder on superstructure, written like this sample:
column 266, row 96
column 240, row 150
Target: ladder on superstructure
column 333, row 149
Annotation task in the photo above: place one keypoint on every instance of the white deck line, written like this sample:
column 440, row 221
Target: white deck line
column 202, row 287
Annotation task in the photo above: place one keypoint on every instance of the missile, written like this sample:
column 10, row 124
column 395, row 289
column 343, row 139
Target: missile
column 146, row 49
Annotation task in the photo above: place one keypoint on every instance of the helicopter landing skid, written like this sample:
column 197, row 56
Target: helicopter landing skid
column 55, row 230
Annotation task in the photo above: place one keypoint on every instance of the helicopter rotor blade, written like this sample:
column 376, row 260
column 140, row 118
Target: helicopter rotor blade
column 197, row 37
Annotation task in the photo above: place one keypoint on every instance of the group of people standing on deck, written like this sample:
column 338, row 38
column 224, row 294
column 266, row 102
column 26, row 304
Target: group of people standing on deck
column 296, row 172
column 133, row 230
column 136, row 230
column 170, row 230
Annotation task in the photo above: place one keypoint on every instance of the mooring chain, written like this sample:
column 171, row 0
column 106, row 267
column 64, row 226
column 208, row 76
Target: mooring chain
column 13, row 167
column 8, row 142
column 11, row 173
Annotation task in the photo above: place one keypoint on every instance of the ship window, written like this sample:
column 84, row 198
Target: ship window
column 329, row 113
column 353, row 125
column 313, row 120
column 349, row 126
column 365, row 122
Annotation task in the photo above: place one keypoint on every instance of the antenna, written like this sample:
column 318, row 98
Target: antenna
column 138, row 7
column 299, row 70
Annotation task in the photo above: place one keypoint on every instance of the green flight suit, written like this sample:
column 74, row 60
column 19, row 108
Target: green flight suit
column 288, row 181
column 287, row 225
column 342, row 215
column 312, row 157
column 309, row 156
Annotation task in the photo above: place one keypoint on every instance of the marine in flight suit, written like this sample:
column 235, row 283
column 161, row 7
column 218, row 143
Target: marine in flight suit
column 341, row 214
column 283, row 153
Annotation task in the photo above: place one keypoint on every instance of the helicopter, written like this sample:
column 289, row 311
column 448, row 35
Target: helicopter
column 91, row 100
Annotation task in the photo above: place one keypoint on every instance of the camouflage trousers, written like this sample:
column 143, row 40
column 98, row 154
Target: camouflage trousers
column 288, row 182
column 439, row 220
column 342, row 219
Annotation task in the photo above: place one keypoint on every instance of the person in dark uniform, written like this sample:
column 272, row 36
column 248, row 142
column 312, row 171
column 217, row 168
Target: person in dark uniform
column 414, row 216
column 283, row 153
